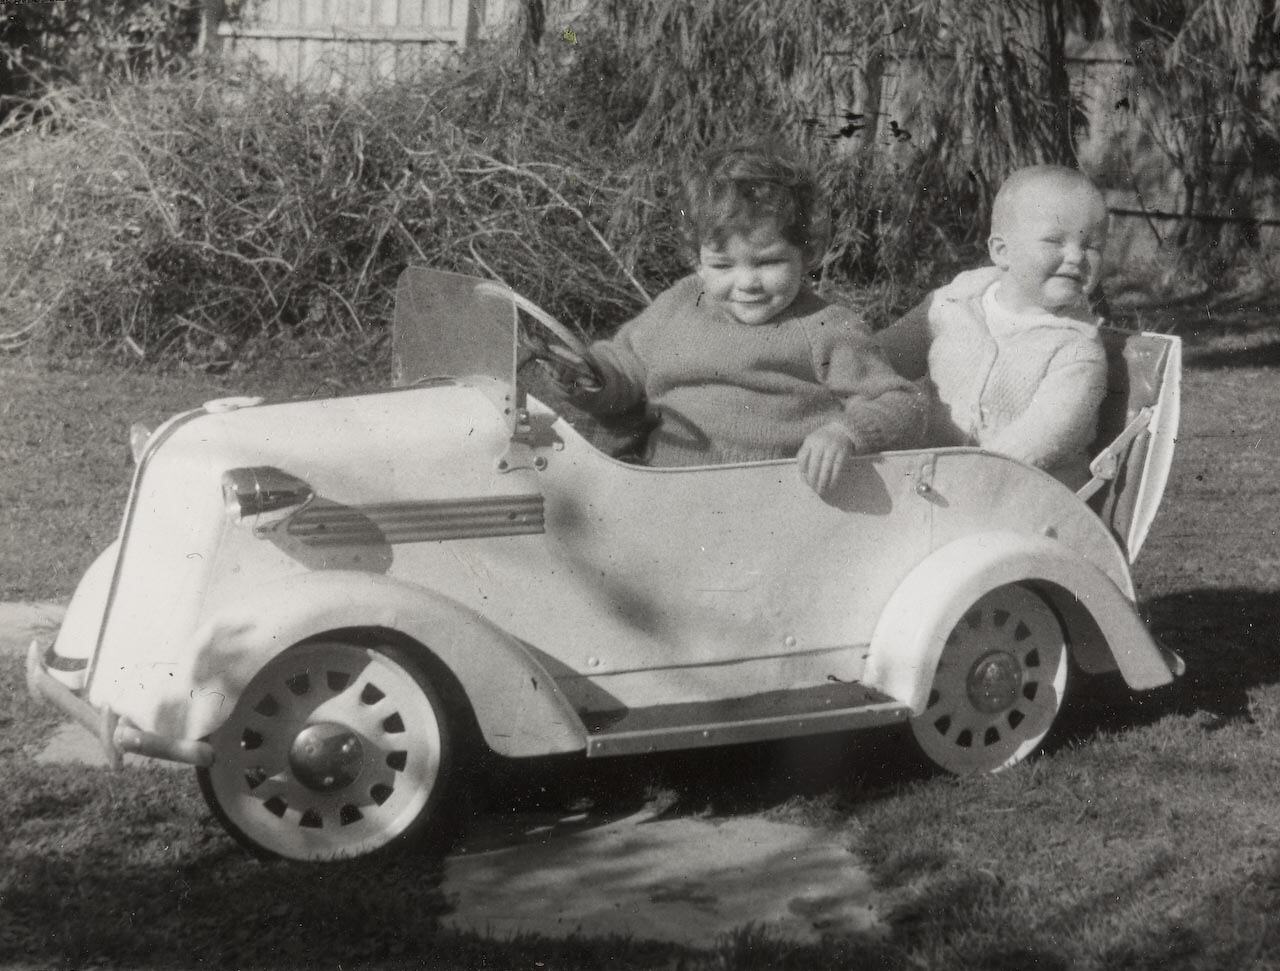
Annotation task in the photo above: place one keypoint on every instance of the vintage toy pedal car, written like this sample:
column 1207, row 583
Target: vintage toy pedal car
column 314, row 601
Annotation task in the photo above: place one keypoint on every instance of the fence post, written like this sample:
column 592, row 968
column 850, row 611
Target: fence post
column 211, row 13
column 476, row 15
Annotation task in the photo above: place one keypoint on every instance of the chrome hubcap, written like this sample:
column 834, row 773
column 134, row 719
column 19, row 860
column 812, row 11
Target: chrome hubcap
column 326, row 757
column 994, row 682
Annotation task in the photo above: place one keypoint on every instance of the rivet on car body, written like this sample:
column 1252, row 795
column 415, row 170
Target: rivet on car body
column 593, row 662
column 789, row 641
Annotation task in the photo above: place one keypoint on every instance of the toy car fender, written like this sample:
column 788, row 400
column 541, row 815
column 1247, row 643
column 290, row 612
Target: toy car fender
column 516, row 703
column 913, row 628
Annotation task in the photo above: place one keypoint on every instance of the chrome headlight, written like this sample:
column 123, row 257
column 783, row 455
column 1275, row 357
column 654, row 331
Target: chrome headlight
column 263, row 490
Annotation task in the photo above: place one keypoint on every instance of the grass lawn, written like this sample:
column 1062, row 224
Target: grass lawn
column 1145, row 836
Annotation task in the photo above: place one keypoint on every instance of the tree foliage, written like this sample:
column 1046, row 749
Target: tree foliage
column 912, row 111
column 88, row 40
column 1208, row 100
column 915, row 111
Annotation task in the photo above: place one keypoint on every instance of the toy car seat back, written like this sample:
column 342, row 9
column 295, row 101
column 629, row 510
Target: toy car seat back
column 449, row 324
column 1137, row 422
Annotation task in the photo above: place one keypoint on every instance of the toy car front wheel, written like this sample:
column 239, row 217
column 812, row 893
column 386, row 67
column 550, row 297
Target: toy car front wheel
column 998, row 686
column 333, row 750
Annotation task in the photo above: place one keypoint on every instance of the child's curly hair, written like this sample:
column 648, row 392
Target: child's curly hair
column 735, row 189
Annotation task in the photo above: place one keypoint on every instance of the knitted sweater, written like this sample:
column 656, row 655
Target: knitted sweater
column 724, row 392
column 1027, row 386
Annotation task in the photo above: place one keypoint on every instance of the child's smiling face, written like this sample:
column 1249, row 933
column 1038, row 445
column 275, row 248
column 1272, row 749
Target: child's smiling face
column 754, row 275
column 1051, row 249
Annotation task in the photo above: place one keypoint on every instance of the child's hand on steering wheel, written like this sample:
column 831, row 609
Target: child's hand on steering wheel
column 573, row 373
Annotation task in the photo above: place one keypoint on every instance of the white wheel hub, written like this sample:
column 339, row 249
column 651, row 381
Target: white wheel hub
column 998, row 685
column 332, row 750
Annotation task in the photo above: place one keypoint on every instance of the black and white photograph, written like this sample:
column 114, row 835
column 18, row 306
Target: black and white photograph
column 648, row 485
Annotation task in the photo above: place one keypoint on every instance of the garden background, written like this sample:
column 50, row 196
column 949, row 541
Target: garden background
column 177, row 205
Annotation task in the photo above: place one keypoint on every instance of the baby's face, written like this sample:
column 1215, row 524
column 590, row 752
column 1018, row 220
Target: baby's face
column 754, row 276
column 1051, row 249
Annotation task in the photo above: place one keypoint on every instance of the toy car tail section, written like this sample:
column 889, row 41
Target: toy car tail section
column 1163, row 431
column 1103, row 629
column 1138, row 421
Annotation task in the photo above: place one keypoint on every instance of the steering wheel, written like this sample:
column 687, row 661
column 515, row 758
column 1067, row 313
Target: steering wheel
column 566, row 352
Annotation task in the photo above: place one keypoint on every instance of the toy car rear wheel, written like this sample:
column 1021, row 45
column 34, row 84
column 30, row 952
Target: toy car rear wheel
column 998, row 686
column 333, row 750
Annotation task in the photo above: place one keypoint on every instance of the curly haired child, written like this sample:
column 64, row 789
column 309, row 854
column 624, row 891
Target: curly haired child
column 741, row 361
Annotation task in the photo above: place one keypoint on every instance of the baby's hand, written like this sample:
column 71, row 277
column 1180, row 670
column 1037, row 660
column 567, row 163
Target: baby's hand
column 572, row 373
column 822, row 457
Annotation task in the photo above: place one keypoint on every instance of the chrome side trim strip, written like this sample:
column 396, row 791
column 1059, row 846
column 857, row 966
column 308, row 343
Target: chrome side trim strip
column 418, row 522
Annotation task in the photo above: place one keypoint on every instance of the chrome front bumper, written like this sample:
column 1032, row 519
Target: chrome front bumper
column 117, row 736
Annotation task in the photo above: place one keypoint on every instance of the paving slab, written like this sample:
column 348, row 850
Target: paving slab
column 687, row 880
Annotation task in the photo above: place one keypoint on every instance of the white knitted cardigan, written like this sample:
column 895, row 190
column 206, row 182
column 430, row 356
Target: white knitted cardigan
column 1027, row 386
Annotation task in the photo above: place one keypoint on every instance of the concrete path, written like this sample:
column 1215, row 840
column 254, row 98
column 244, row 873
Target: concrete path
column 684, row 879
column 687, row 880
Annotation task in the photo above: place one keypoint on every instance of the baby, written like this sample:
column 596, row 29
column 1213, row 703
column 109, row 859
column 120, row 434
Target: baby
column 742, row 361
column 1012, row 350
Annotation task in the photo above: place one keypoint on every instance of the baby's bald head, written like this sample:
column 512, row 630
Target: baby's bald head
column 1038, row 187
column 1048, row 232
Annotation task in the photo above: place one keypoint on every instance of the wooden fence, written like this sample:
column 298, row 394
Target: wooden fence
column 323, row 41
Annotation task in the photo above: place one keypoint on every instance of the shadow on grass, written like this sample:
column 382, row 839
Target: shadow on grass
column 216, row 910
column 1260, row 355
column 223, row 911
column 1201, row 318
column 1230, row 642
column 795, row 779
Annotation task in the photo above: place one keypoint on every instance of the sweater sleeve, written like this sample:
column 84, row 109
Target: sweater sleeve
column 622, row 365
column 622, row 372
column 1062, row 418
column 882, row 410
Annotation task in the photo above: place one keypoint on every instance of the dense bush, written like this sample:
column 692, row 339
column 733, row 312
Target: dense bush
column 212, row 214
